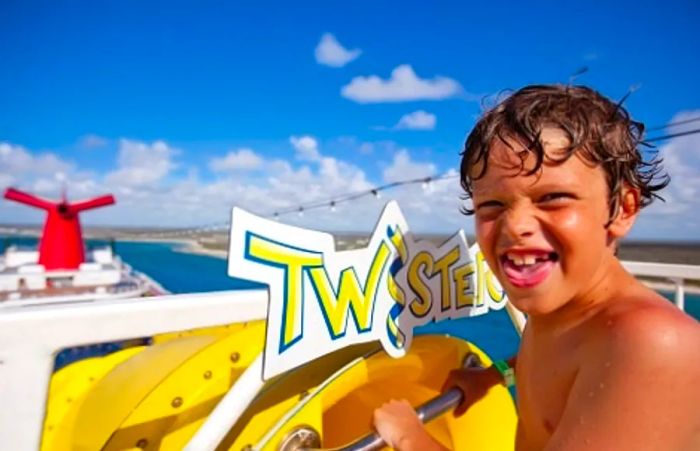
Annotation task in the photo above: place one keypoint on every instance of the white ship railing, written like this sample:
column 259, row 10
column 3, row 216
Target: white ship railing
column 676, row 275
column 31, row 336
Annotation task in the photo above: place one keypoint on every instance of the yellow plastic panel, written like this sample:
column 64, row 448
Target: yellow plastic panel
column 169, row 415
column 113, row 399
column 67, row 391
column 158, row 398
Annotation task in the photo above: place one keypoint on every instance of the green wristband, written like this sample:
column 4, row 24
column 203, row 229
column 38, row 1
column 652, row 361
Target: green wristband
column 506, row 371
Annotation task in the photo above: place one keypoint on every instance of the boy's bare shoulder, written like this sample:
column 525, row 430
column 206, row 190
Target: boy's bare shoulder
column 639, row 358
column 646, row 329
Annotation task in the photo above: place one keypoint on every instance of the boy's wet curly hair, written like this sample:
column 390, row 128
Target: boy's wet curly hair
column 600, row 130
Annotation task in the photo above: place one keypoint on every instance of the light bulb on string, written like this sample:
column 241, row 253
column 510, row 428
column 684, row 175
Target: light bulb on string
column 376, row 194
column 301, row 212
column 332, row 204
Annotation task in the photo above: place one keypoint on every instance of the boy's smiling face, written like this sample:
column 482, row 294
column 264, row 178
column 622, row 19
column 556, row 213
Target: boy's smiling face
column 544, row 235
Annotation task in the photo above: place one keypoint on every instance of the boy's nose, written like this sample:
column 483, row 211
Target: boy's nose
column 519, row 222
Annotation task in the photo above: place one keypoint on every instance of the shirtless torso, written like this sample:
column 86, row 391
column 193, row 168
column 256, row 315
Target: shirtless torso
column 542, row 389
column 643, row 322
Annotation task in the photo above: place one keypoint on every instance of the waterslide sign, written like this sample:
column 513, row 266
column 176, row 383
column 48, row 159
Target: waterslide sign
column 321, row 300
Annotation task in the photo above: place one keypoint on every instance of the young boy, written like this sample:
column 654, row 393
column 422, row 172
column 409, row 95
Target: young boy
column 556, row 179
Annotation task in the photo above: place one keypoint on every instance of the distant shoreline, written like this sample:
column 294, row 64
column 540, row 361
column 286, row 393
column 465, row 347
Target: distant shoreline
column 195, row 247
column 184, row 245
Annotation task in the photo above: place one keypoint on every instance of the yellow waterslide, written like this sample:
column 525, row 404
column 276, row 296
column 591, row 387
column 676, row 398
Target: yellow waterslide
column 157, row 397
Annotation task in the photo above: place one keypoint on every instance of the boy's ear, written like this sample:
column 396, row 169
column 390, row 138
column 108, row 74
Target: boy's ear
column 628, row 210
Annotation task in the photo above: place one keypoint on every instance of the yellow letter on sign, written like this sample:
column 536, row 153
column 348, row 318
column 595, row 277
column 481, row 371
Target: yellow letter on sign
column 293, row 261
column 350, row 297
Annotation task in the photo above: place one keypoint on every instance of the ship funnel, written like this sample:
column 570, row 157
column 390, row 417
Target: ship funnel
column 61, row 245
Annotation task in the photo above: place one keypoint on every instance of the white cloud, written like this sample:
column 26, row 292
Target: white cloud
column 340, row 175
column 165, row 197
column 306, row 147
column 677, row 217
column 418, row 120
column 41, row 173
column 403, row 168
column 277, row 184
column 330, row 52
column 45, row 186
column 19, row 161
column 681, row 159
column 242, row 159
column 403, row 85
column 141, row 164
column 325, row 178
column 19, row 166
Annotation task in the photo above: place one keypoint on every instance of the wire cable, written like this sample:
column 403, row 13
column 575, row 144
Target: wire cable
column 673, row 124
column 352, row 196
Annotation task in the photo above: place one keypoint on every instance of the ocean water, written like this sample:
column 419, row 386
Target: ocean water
column 181, row 272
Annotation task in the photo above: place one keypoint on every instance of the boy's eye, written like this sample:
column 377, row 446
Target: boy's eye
column 554, row 197
column 489, row 204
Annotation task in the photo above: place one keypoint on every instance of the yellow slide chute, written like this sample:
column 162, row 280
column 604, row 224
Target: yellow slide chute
column 156, row 397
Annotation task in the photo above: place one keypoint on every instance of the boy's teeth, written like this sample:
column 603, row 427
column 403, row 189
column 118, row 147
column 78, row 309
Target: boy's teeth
column 517, row 259
column 522, row 260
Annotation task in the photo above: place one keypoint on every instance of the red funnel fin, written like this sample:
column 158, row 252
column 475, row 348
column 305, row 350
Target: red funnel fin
column 61, row 245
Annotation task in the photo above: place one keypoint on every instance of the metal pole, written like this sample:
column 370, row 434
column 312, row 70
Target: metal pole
column 680, row 293
column 426, row 412
column 516, row 317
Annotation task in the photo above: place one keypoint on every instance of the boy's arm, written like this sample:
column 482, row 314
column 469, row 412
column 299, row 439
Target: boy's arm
column 475, row 383
column 637, row 387
column 399, row 426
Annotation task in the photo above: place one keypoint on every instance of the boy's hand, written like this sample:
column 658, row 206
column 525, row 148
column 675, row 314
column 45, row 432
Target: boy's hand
column 395, row 421
column 398, row 424
column 474, row 384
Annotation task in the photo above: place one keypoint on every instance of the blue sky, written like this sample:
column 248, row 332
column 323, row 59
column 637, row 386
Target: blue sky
column 183, row 109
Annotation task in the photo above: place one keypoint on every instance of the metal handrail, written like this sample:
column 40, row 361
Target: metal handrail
column 676, row 274
column 426, row 412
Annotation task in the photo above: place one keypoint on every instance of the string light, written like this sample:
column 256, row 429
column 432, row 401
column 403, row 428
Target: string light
column 375, row 192
column 426, row 183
